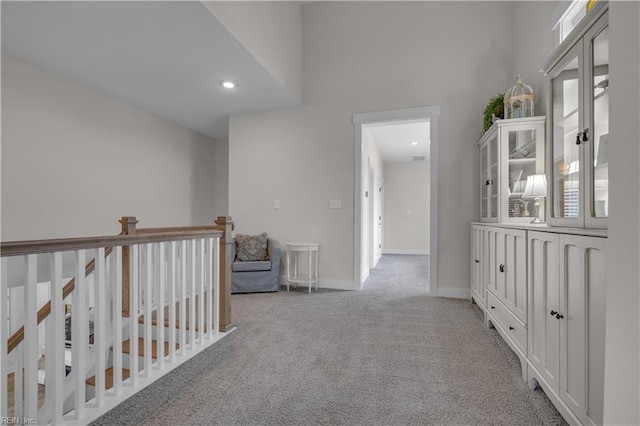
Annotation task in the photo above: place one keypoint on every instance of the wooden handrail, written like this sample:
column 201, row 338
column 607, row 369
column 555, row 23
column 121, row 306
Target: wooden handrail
column 176, row 229
column 20, row 248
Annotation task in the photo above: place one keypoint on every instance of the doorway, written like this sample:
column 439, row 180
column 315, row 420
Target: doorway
column 369, row 185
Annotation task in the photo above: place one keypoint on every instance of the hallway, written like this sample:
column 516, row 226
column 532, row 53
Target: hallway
column 389, row 354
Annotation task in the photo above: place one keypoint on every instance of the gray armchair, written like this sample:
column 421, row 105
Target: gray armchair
column 258, row 276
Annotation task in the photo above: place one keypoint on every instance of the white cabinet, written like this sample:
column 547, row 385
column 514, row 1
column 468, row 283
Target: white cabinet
column 478, row 255
column 567, row 322
column 578, row 173
column 510, row 151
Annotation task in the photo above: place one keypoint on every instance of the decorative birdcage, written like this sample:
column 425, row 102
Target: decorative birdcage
column 518, row 100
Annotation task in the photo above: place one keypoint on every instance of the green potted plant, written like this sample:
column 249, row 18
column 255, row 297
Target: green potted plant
column 494, row 107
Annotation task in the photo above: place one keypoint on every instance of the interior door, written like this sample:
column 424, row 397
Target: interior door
column 378, row 203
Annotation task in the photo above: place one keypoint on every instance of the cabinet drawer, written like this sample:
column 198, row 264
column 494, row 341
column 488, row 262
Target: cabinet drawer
column 509, row 323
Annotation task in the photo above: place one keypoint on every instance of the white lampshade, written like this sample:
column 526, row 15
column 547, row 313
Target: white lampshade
column 536, row 186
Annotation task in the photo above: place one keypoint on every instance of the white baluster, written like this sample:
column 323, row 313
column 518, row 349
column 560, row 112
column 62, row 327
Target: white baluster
column 172, row 300
column 192, row 294
column 208, row 261
column 216, row 285
column 79, row 334
column 116, row 258
column 4, row 331
column 31, row 349
column 100, row 326
column 55, row 363
column 201, row 278
column 18, row 381
column 134, row 281
column 183, row 301
column 148, row 307
column 160, row 299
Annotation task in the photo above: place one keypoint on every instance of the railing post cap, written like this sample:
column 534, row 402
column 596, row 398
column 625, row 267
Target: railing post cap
column 128, row 219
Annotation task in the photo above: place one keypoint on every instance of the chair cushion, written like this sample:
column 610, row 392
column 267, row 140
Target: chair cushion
column 264, row 265
column 250, row 248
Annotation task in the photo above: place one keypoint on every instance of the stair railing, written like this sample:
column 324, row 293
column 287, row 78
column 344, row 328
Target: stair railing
column 174, row 260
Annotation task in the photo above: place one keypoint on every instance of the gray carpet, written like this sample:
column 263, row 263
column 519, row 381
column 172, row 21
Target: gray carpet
column 387, row 355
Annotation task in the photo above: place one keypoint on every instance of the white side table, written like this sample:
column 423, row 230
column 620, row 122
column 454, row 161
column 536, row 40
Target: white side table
column 294, row 250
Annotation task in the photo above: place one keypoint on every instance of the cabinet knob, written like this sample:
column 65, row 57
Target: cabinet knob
column 559, row 316
column 584, row 135
column 510, row 328
column 493, row 307
column 487, row 182
column 501, row 268
column 477, row 261
column 553, row 313
column 578, row 141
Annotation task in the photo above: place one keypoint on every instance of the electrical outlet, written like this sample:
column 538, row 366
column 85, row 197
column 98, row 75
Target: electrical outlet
column 276, row 204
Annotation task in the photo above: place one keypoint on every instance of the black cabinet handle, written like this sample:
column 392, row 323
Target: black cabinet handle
column 553, row 313
column 493, row 307
column 477, row 261
column 585, row 137
column 501, row 268
column 510, row 328
column 559, row 316
column 487, row 182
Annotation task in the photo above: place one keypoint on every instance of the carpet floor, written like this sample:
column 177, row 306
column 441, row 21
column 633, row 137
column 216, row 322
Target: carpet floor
column 387, row 355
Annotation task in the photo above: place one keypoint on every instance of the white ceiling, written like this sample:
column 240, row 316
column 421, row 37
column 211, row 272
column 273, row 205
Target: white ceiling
column 167, row 58
column 394, row 140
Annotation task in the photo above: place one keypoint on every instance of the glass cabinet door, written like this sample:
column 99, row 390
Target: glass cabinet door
column 493, row 181
column 599, row 99
column 484, row 182
column 565, row 153
column 522, row 163
column 579, row 169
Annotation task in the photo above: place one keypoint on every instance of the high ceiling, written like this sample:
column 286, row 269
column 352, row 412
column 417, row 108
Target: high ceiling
column 394, row 141
column 167, row 58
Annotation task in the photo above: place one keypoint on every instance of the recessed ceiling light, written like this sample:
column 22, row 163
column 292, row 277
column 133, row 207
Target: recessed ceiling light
column 228, row 84
column 414, row 143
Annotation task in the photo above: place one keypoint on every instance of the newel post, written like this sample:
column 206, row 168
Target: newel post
column 225, row 224
column 128, row 227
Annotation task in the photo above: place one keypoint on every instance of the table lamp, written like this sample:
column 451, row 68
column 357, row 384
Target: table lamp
column 536, row 188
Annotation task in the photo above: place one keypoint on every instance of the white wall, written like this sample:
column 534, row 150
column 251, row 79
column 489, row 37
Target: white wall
column 221, row 177
column 363, row 57
column 75, row 160
column 533, row 43
column 271, row 31
column 406, row 207
column 622, row 357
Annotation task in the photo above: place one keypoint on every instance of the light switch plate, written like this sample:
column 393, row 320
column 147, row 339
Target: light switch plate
column 335, row 204
column 276, row 204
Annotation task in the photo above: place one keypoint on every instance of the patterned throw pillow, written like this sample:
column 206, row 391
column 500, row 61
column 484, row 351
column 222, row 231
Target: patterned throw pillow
column 251, row 248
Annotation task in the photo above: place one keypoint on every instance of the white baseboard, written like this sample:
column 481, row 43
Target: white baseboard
column 331, row 284
column 365, row 275
column 401, row 251
column 454, row 293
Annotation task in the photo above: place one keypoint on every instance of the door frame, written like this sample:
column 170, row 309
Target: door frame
column 427, row 113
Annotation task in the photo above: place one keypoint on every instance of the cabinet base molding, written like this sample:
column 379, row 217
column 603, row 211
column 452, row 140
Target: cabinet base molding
column 534, row 380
